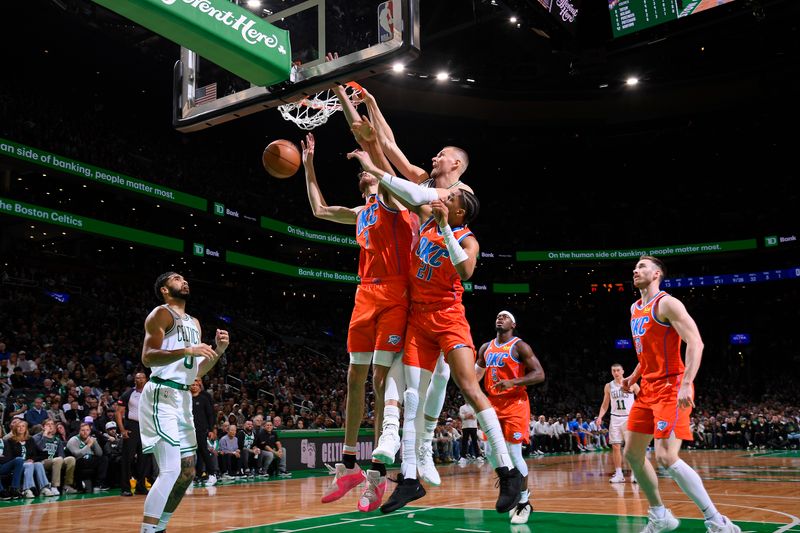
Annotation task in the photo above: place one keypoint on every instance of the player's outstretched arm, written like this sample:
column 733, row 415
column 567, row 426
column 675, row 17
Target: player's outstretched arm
column 672, row 310
column 409, row 194
column 388, row 144
column 320, row 208
column 155, row 326
column 605, row 404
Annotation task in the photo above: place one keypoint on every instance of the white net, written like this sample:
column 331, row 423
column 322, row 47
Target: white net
column 313, row 111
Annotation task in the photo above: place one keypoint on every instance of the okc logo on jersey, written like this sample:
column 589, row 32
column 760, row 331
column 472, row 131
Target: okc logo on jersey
column 367, row 217
column 517, row 435
column 662, row 425
column 637, row 325
column 430, row 253
column 395, row 339
column 496, row 359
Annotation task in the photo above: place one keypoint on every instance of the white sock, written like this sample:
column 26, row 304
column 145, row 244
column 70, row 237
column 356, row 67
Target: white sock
column 491, row 426
column 659, row 510
column 524, row 495
column 618, row 472
column 391, row 415
column 427, row 432
column 149, row 528
column 162, row 522
column 690, row 483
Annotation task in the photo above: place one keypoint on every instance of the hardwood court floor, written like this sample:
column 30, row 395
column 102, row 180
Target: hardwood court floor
column 761, row 491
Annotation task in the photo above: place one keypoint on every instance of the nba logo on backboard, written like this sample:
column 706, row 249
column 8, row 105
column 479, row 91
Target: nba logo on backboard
column 385, row 21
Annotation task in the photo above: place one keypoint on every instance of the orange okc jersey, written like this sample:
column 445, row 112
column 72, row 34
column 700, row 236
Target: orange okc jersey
column 658, row 345
column 434, row 279
column 384, row 236
column 502, row 364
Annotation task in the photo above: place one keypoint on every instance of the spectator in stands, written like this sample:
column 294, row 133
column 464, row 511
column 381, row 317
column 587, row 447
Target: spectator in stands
column 249, row 451
column 212, row 444
column 112, row 450
column 51, row 453
column 36, row 414
column 21, row 445
column 229, row 453
column 469, row 435
column 10, row 465
column 272, row 444
column 24, row 363
column 55, row 413
column 90, row 465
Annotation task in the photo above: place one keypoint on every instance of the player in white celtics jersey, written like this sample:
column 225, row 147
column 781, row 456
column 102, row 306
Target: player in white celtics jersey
column 175, row 353
column 621, row 403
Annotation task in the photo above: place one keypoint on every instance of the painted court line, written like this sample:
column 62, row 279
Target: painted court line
column 423, row 523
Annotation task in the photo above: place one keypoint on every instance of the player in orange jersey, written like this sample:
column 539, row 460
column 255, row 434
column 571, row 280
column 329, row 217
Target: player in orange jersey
column 378, row 322
column 447, row 253
column 659, row 322
column 508, row 365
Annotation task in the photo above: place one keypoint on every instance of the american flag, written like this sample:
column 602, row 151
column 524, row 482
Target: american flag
column 205, row 94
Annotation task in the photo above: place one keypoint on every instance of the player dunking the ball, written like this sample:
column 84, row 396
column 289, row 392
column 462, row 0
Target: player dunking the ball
column 620, row 402
column 508, row 365
column 659, row 323
column 447, row 253
column 378, row 321
column 173, row 349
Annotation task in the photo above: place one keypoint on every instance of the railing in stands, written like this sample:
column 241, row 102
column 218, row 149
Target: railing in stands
column 228, row 378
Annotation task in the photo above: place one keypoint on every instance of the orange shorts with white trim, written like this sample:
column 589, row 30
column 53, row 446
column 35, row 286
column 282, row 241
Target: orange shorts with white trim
column 656, row 412
column 514, row 413
column 379, row 316
column 432, row 332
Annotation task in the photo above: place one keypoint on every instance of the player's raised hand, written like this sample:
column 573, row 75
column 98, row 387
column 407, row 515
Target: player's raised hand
column 363, row 130
column 367, row 96
column 626, row 384
column 308, row 149
column 203, row 350
column 440, row 213
column 364, row 159
column 222, row 339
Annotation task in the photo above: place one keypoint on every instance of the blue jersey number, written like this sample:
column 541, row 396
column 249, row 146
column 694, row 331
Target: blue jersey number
column 425, row 272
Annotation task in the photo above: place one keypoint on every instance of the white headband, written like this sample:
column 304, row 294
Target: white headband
column 509, row 315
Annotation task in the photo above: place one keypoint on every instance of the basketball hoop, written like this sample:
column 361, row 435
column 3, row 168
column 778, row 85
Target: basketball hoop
column 313, row 111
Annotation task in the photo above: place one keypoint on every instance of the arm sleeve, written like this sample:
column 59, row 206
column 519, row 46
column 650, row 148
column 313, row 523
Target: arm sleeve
column 410, row 192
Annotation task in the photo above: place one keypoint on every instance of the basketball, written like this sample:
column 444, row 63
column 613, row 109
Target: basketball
column 281, row 158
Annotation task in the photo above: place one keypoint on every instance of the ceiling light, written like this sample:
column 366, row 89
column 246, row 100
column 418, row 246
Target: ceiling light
column 253, row 3
column 513, row 20
column 398, row 67
column 633, row 80
column 441, row 76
